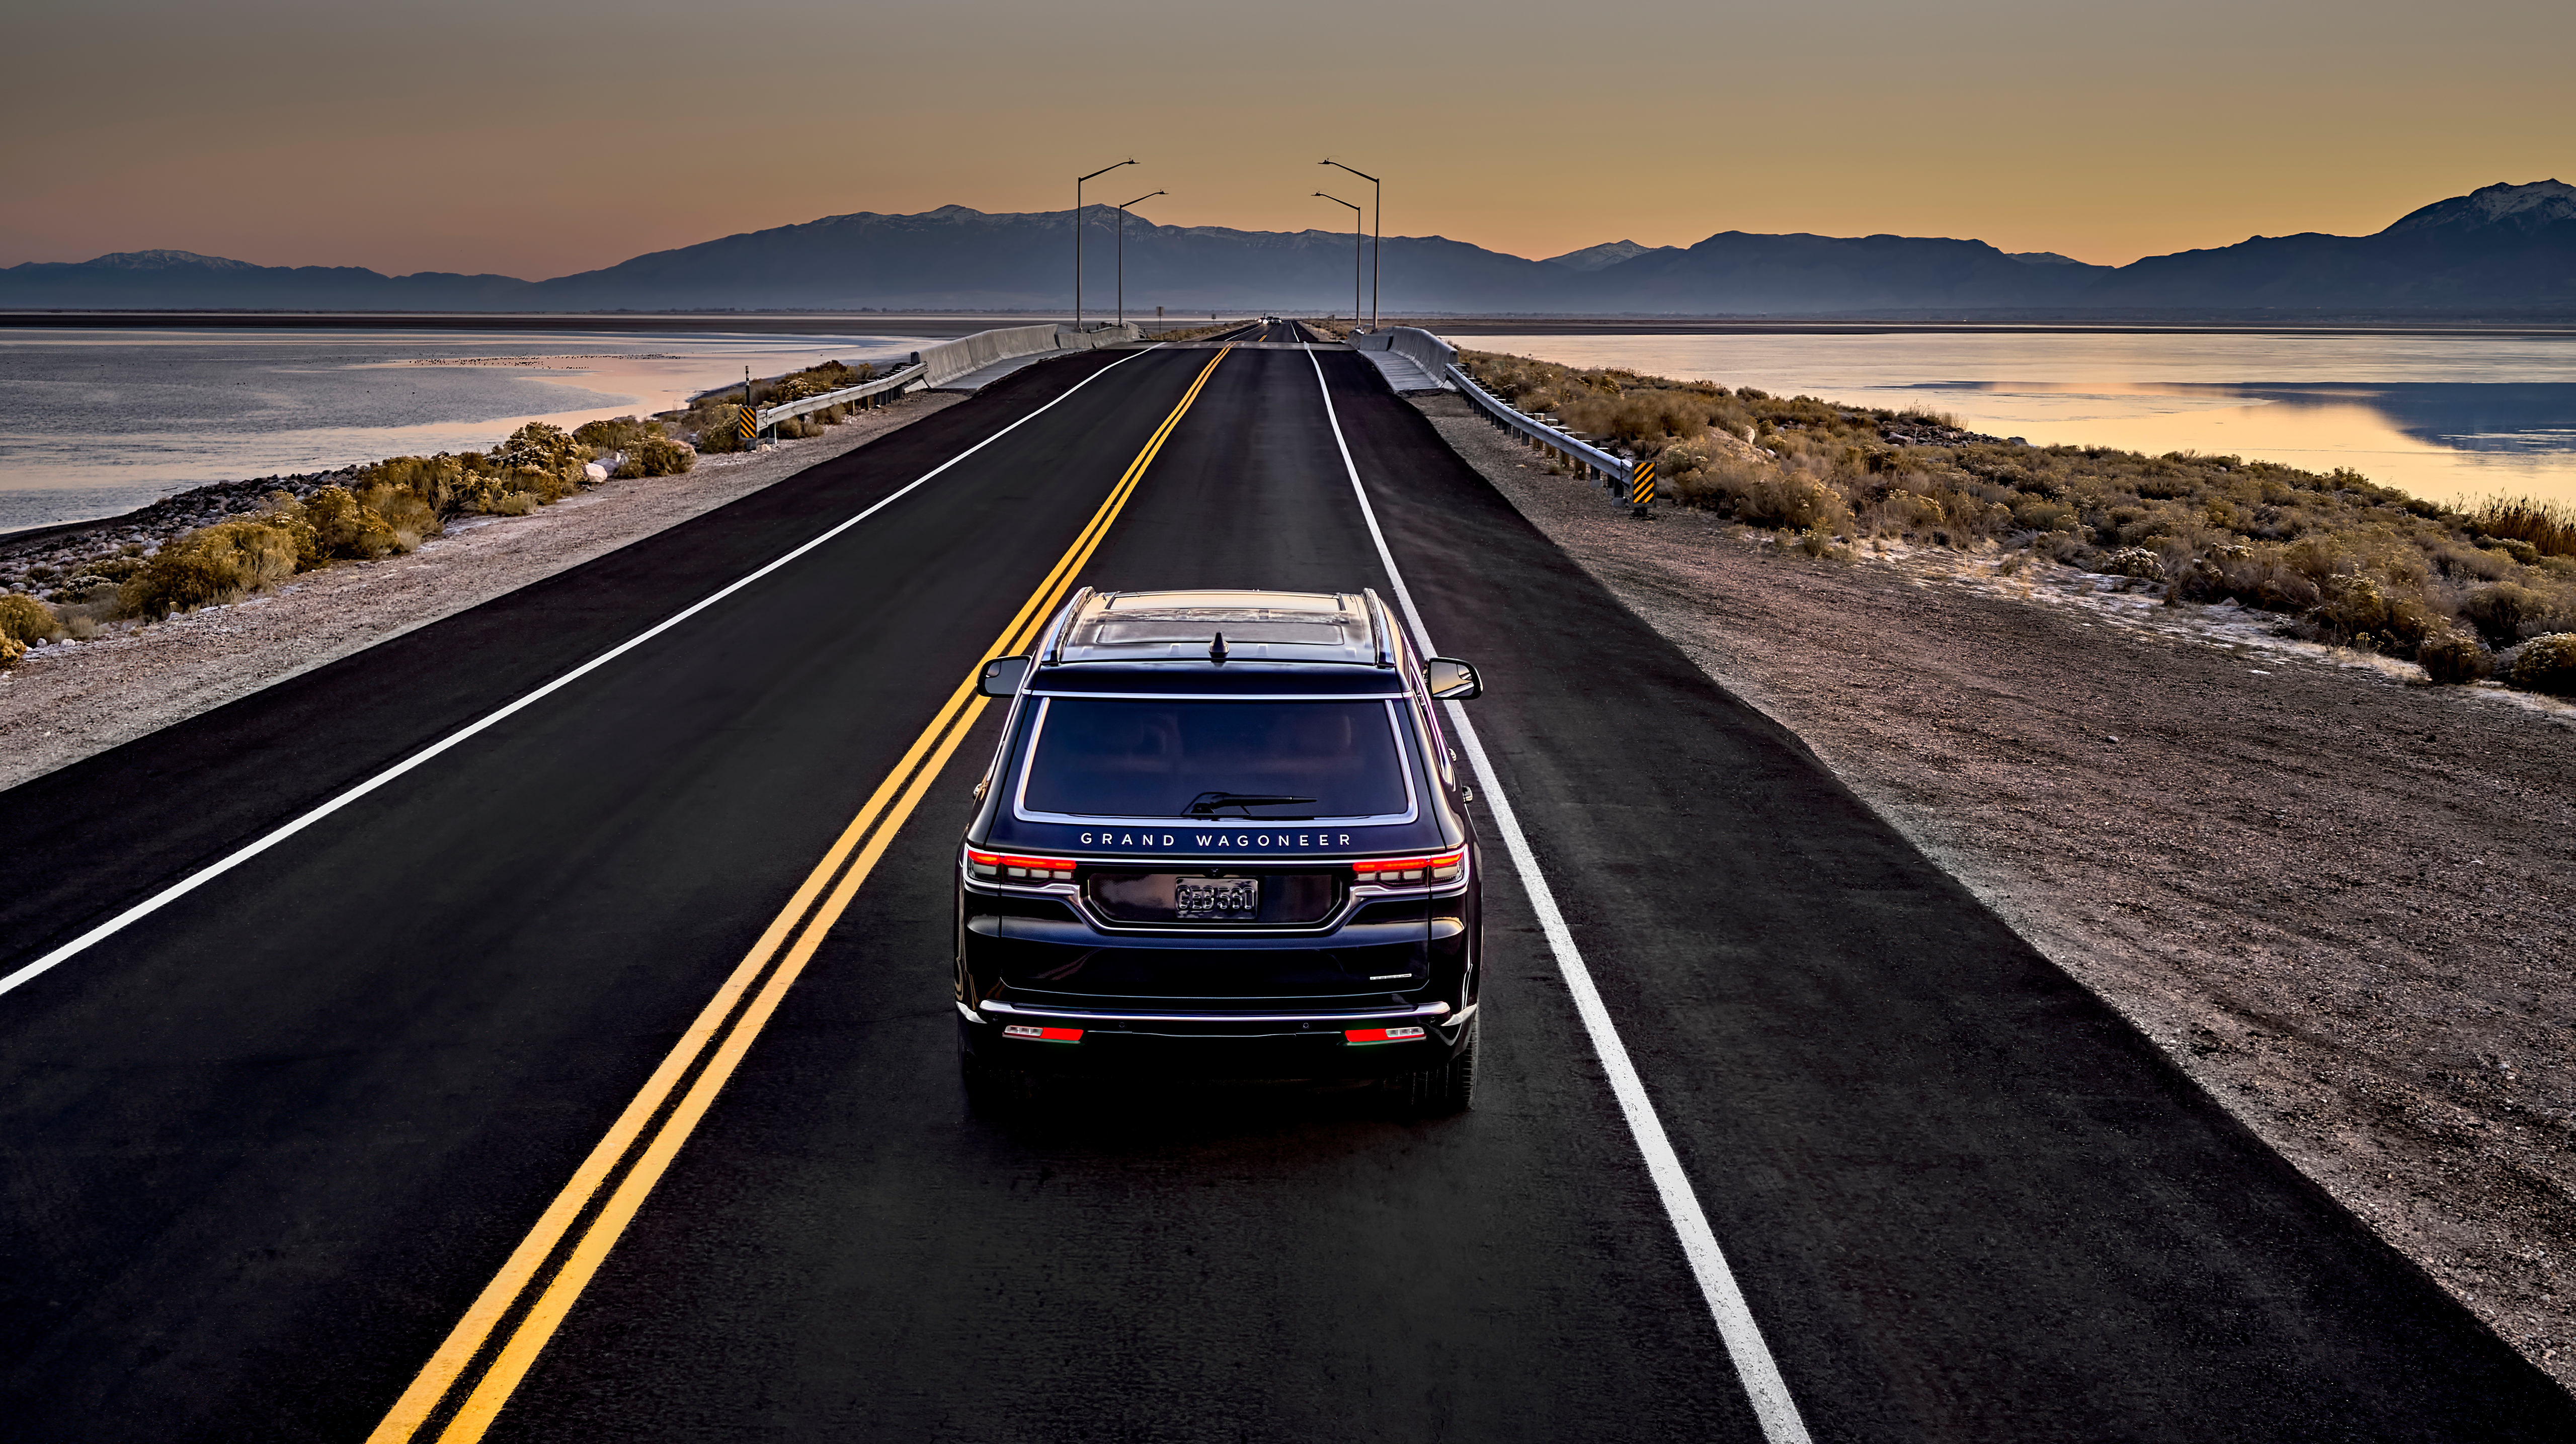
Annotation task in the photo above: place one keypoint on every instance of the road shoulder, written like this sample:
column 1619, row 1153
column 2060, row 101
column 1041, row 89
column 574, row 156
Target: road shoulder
column 2326, row 894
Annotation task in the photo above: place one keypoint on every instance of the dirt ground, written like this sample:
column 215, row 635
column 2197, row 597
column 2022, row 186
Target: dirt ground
column 70, row 700
column 2343, row 900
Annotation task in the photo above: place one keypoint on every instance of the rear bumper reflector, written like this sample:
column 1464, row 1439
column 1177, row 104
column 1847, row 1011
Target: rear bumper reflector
column 1050, row 1035
column 1381, row 1035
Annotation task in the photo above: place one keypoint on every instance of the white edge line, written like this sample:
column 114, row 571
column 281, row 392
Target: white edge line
column 209, row 873
column 1763, row 1386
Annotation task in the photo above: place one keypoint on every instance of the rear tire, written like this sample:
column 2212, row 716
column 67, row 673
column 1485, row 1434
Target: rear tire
column 1442, row 1091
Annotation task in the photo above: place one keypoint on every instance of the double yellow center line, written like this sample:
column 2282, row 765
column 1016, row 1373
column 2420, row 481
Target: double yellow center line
column 492, row 1347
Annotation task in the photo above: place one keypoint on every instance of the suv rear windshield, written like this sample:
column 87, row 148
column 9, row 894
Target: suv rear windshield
column 1278, row 761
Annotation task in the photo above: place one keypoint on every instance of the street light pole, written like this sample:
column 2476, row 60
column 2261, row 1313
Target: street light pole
column 1355, row 255
column 1122, row 251
column 1377, row 238
column 1077, row 235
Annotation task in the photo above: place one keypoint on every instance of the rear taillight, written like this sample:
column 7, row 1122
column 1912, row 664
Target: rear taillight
column 1412, row 871
column 1381, row 1035
column 1006, row 867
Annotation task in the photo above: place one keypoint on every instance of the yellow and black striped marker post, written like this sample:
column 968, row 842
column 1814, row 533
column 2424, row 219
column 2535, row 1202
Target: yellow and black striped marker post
column 749, row 422
column 1641, row 486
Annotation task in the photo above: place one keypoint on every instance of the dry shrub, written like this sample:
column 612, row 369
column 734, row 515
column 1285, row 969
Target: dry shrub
column 2501, row 611
column 211, row 564
column 715, row 429
column 12, row 652
column 540, row 447
column 2134, row 562
column 616, row 433
column 2043, row 513
column 657, row 456
column 345, row 527
column 1774, row 498
column 2357, row 609
column 2455, row 659
column 2256, row 576
column 1901, row 513
column 24, row 619
column 2547, row 664
column 410, row 519
column 646, row 449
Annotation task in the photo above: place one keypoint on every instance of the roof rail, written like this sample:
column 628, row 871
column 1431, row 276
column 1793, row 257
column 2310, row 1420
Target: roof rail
column 1379, row 625
column 1053, row 651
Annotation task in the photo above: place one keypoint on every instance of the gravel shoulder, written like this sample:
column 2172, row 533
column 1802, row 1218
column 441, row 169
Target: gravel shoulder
column 72, row 700
column 2336, row 896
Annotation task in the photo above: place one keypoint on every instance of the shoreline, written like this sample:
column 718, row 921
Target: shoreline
column 2321, row 888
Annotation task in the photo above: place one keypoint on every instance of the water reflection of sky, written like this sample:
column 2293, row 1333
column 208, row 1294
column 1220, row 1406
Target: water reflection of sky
column 94, row 423
column 2449, row 418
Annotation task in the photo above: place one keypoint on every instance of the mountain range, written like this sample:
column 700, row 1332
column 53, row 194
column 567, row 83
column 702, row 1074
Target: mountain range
column 2502, row 247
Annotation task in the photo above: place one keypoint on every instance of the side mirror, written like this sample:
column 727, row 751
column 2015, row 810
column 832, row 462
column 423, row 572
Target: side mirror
column 1002, row 676
column 1451, row 680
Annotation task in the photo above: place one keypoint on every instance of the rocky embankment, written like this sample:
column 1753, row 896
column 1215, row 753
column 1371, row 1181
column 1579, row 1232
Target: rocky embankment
column 55, row 562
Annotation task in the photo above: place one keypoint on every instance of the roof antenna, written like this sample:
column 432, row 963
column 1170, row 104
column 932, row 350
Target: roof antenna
column 1216, row 649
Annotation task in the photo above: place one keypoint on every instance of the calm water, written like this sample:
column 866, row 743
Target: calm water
column 2445, row 418
column 98, row 422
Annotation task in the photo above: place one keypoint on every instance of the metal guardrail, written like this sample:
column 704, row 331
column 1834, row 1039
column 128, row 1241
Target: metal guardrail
column 1582, row 455
column 897, row 380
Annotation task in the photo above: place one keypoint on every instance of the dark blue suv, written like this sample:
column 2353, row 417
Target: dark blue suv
column 1224, row 836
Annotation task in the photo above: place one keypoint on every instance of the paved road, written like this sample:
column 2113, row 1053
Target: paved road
column 265, row 1147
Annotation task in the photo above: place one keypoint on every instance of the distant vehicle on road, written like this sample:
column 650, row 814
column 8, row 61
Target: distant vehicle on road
column 1224, row 835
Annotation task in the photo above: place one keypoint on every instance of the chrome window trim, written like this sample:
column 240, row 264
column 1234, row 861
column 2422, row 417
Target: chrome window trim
column 1037, row 733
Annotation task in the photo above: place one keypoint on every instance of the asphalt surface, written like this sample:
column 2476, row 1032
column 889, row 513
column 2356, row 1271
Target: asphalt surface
column 261, row 1149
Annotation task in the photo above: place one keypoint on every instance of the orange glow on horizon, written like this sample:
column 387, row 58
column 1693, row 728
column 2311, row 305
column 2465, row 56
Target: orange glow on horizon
column 587, row 134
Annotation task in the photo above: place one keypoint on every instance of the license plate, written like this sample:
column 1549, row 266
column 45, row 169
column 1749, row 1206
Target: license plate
column 1217, row 899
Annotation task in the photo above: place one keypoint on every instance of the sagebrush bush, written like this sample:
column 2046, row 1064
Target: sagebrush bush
column 209, row 565
column 2500, row 611
column 616, row 433
column 2547, row 664
column 657, row 456
column 12, row 652
column 542, row 448
column 345, row 527
column 715, row 428
column 25, row 619
column 2454, row 659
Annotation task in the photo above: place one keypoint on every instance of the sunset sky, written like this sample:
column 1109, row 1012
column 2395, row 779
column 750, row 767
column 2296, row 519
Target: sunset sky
column 536, row 138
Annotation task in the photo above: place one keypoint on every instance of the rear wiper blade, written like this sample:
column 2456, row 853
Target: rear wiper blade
column 1206, row 803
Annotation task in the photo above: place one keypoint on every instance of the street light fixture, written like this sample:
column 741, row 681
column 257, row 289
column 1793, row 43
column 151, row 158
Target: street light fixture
column 1122, row 251
column 1077, row 235
column 1356, row 213
column 1377, row 237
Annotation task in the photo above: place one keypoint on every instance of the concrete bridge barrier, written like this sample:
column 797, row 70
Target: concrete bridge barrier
column 949, row 360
